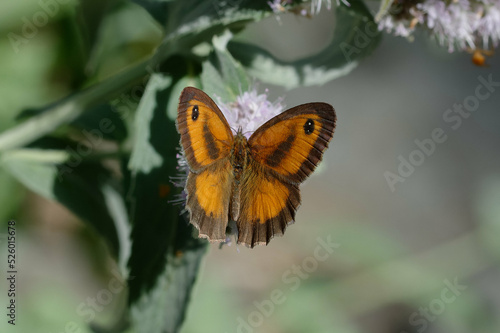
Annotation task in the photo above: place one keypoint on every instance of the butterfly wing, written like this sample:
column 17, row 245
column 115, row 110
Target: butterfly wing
column 267, row 206
column 206, row 139
column 284, row 151
column 292, row 143
column 208, row 197
column 205, row 133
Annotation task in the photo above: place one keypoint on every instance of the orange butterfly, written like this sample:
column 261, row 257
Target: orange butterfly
column 253, row 182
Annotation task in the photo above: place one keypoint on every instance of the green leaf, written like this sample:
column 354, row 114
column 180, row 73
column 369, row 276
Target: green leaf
column 11, row 196
column 192, row 22
column 118, row 211
column 355, row 36
column 165, row 256
column 164, row 308
column 104, row 121
column 144, row 155
column 233, row 74
column 92, row 14
column 222, row 75
column 50, row 174
column 212, row 82
column 203, row 13
column 120, row 43
column 158, row 9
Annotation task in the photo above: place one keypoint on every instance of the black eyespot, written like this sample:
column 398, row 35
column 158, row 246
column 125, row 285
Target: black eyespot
column 309, row 126
column 196, row 113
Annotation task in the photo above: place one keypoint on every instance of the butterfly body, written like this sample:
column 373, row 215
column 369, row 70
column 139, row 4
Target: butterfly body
column 239, row 155
column 239, row 159
column 254, row 181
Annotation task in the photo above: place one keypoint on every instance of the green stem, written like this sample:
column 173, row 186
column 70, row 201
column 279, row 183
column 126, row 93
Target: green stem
column 71, row 107
column 54, row 156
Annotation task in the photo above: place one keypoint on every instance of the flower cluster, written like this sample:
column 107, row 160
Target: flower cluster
column 456, row 24
column 279, row 6
column 180, row 179
column 250, row 110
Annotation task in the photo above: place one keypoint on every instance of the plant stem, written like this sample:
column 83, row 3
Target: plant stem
column 71, row 107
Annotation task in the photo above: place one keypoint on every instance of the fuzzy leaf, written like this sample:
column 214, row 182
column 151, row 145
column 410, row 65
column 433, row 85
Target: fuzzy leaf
column 223, row 76
column 163, row 309
column 158, row 9
column 79, row 188
column 102, row 121
column 165, row 256
column 192, row 22
column 355, row 36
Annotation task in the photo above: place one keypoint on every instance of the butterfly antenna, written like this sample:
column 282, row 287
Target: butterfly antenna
column 245, row 133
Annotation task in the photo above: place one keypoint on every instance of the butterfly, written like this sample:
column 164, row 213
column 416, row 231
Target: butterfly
column 253, row 182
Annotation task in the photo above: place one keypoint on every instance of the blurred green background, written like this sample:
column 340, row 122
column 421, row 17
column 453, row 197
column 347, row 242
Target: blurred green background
column 398, row 251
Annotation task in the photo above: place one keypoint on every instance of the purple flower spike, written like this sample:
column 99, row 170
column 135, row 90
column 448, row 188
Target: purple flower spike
column 250, row 111
column 458, row 25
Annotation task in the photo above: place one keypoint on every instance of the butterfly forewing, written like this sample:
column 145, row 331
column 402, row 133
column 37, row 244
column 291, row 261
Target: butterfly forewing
column 206, row 140
column 292, row 143
column 205, row 134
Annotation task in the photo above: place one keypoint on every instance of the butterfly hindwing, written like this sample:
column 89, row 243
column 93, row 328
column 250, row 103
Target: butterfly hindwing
column 267, row 206
column 208, row 197
column 205, row 134
column 292, row 143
